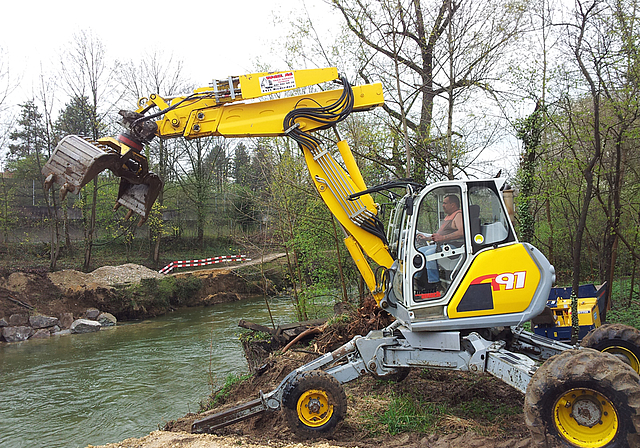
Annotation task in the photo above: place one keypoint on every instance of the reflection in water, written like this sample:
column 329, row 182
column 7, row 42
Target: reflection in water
column 71, row 391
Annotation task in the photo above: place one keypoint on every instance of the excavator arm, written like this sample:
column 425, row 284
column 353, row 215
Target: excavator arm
column 231, row 108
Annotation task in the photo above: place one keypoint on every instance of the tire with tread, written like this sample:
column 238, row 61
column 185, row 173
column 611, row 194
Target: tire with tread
column 327, row 391
column 576, row 371
column 619, row 340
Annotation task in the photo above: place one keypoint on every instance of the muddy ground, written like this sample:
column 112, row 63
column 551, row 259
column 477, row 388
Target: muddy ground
column 480, row 401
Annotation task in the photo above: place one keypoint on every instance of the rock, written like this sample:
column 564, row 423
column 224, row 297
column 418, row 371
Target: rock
column 92, row 313
column 3, row 323
column 66, row 319
column 84, row 326
column 55, row 329
column 107, row 319
column 43, row 321
column 17, row 333
column 42, row 333
column 19, row 320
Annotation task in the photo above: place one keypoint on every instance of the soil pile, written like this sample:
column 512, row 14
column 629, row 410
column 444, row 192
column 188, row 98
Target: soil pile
column 69, row 291
column 475, row 399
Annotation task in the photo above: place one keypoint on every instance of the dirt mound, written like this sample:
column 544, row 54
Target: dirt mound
column 469, row 409
column 37, row 293
column 66, row 291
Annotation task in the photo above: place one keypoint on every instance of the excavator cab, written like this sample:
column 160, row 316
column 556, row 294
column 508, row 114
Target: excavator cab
column 475, row 276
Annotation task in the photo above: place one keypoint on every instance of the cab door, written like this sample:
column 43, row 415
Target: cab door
column 433, row 268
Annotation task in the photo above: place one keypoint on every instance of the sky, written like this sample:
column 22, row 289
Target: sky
column 214, row 39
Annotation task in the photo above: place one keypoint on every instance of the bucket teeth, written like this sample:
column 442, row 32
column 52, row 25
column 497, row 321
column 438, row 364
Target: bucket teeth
column 139, row 198
column 76, row 161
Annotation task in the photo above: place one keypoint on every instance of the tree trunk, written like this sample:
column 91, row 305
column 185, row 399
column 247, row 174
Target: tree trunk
column 91, row 229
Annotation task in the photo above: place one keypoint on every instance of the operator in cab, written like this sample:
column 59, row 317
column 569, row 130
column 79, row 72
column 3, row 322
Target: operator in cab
column 451, row 232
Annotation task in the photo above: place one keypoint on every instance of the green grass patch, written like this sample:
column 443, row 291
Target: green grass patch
column 221, row 395
column 405, row 414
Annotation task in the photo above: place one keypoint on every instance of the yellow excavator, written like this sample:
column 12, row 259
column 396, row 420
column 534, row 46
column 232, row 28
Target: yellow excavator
column 448, row 267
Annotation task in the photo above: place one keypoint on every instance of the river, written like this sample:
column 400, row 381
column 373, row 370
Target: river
column 104, row 387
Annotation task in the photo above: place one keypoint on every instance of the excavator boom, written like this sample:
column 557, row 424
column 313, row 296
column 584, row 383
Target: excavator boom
column 230, row 108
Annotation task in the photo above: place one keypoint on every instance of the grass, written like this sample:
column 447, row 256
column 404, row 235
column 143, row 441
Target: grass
column 404, row 412
column 223, row 393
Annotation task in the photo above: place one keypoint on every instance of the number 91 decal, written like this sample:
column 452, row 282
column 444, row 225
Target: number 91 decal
column 510, row 280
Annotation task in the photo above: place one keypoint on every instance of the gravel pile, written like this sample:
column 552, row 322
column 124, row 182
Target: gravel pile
column 126, row 273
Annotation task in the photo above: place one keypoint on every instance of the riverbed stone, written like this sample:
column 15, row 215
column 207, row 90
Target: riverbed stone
column 17, row 333
column 3, row 322
column 55, row 329
column 92, row 313
column 43, row 321
column 66, row 319
column 19, row 320
column 107, row 319
column 42, row 333
column 84, row 326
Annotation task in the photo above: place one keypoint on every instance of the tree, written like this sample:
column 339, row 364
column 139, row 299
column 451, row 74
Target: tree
column 405, row 38
column 154, row 73
column 86, row 73
column 530, row 132
column 594, row 115
column 75, row 118
column 196, row 177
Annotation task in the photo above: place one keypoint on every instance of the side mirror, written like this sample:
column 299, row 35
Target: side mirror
column 409, row 205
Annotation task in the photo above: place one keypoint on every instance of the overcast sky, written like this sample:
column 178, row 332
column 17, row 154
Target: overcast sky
column 214, row 39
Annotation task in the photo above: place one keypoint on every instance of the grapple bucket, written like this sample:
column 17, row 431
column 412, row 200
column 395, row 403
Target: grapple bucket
column 76, row 161
column 139, row 198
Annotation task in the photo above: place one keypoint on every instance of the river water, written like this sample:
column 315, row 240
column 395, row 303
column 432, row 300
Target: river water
column 104, row 387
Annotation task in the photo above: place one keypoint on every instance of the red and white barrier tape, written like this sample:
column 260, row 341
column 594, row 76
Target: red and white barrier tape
column 204, row 262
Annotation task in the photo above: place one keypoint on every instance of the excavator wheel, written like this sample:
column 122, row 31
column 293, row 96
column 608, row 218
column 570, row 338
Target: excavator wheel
column 314, row 403
column 584, row 398
column 620, row 340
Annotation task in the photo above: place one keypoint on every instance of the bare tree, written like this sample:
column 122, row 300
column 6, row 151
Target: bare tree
column 434, row 71
column 86, row 72
column 154, row 73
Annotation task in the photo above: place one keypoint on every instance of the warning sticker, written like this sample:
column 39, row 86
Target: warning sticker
column 277, row 82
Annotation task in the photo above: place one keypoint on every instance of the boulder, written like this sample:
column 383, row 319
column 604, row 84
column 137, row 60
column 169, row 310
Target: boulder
column 3, row 322
column 107, row 319
column 42, row 333
column 84, row 326
column 92, row 313
column 66, row 319
column 19, row 320
column 17, row 334
column 43, row 321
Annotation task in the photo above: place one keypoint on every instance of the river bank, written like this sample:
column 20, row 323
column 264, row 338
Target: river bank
column 127, row 292
column 428, row 409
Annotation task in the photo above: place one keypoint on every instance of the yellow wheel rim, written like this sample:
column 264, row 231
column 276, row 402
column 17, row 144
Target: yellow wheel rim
column 585, row 418
column 314, row 409
column 619, row 351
